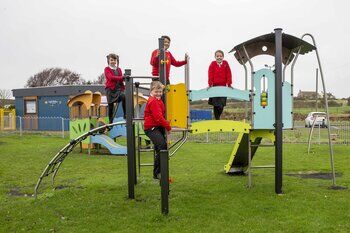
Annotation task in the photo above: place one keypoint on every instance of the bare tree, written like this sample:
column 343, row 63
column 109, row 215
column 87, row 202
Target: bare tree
column 4, row 95
column 54, row 77
column 101, row 79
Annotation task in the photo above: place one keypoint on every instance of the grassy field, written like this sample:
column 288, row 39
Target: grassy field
column 91, row 194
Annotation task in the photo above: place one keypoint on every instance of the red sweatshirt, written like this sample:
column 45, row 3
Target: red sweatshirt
column 219, row 75
column 112, row 81
column 155, row 114
column 170, row 60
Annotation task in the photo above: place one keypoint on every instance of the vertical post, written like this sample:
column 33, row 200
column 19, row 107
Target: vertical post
column 316, row 89
column 20, row 126
column 62, row 127
column 162, row 61
column 278, row 111
column 249, row 161
column 130, row 132
column 164, row 181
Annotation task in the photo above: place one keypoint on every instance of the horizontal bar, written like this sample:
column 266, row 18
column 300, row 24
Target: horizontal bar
column 145, row 150
column 146, row 164
column 145, row 77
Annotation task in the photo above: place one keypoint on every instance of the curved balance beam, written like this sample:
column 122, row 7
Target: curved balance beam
column 232, row 93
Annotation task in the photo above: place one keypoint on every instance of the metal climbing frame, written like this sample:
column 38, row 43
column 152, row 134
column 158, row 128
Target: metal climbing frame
column 55, row 163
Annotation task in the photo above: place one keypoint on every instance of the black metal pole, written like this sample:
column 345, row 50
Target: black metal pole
column 164, row 181
column 130, row 132
column 278, row 111
column 164, row 154
column 162, row 61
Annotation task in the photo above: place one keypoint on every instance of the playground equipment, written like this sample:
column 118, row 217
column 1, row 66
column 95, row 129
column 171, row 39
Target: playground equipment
column 270, row 97
column 91, row 102
column 7, row 119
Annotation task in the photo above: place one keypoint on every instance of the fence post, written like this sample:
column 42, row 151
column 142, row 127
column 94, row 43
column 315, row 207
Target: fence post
column 20, row 126
column 62, row 127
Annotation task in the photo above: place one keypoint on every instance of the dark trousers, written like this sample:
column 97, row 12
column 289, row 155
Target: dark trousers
column 218, row 111
column 157, row 136
column 121, row 98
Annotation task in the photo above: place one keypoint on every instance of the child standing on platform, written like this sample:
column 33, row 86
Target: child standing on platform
column 155, row 125
column 169, row 59
column 114, row 84
column 219, row 74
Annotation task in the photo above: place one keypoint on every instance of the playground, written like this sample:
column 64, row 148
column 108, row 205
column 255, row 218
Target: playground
column 243, row 186
column 91, row 192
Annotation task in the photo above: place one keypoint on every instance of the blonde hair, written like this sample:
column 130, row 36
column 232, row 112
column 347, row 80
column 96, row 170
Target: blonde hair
column 156, row 85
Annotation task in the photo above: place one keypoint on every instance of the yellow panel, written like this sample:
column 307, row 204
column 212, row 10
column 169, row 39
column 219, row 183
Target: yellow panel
column 177, row 105
column 84, row 99
column 233, row 153
column 220, row 126
column 96, row 98
column 262, row 133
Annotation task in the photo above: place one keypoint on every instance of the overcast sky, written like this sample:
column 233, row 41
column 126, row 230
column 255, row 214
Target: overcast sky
column 78, row 35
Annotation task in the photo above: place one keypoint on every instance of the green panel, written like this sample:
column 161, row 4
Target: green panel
column 219, row 126
column 78, row 127
column 287, row 98
column 219, row 92
column 264, row 117
column 139, row 131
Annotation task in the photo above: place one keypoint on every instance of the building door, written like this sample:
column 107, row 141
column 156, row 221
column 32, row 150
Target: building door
column 30, row 118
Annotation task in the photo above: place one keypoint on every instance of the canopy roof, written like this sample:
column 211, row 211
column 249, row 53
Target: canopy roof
column 265, row 44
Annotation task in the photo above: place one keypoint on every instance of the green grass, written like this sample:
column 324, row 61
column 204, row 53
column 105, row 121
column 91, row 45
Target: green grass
column 93, row 197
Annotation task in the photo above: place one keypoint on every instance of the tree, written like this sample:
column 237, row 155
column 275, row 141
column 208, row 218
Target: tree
column 54, row 77
column 348, row 101
column 4, row 95
column 101, row 79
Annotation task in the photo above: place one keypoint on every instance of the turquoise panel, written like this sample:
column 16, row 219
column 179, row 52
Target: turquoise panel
column 264, row 116
column 287, row 117
column 219, row 92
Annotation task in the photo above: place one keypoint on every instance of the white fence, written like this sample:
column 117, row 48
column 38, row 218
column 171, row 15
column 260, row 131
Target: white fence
column 34, row 124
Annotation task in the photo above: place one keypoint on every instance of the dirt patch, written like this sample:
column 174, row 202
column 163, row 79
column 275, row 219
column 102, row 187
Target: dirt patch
column 59, row 187
column 314, row 175
column 16, row 192
column 338, row 188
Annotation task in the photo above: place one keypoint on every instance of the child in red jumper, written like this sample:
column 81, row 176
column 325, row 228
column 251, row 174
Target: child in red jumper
column 114, row 85
column 219, row 74
column 155, row 125
column 170, row 60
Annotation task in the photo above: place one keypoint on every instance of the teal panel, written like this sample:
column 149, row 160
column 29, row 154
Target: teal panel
column 264, row 117
column 287, row 98
column 219, row 92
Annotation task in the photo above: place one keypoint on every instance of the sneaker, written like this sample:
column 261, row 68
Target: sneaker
column 156, row 177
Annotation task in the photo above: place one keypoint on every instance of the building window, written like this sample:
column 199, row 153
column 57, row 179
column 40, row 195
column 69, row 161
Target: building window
column 30, row 106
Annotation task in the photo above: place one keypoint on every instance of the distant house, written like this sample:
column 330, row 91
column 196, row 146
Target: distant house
column 311, row 95
column 45, row 108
